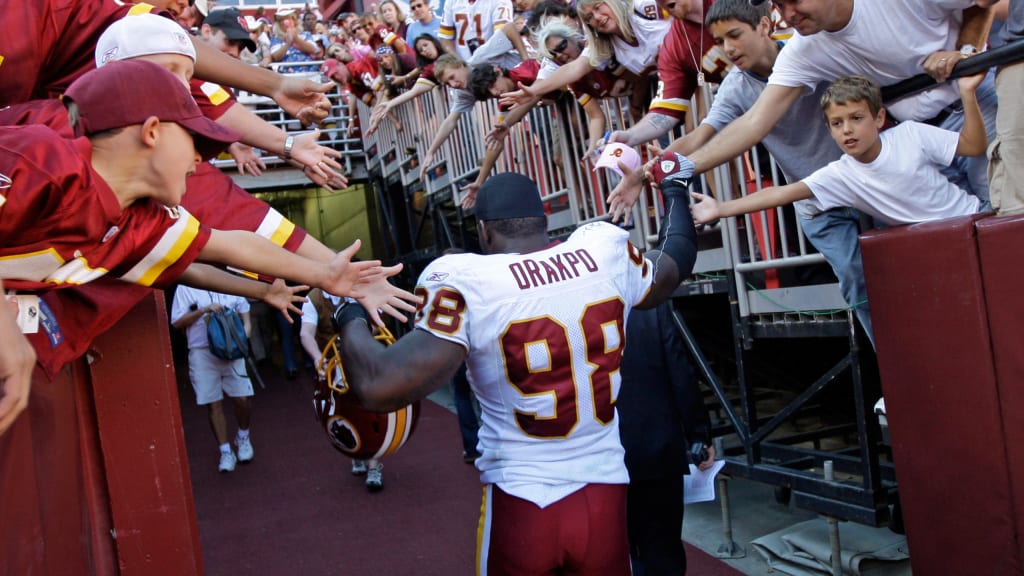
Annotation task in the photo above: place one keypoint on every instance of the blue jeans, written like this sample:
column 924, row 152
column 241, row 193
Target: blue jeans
column 286, row 332
column 970, row 173
column 834, row 233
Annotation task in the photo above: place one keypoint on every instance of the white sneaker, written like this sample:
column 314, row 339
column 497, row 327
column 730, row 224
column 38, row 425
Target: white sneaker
column 245, row 452
column 227, row 462
column 358, row 467
column 375, row 479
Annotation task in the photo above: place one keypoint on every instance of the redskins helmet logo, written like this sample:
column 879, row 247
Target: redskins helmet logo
column 351, row 429
column 342, row 434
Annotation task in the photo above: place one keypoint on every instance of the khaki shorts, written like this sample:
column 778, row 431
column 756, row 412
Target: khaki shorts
column 212, row 377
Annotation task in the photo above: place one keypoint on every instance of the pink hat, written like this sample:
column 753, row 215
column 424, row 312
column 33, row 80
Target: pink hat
column 128, row 92
column 613, row 153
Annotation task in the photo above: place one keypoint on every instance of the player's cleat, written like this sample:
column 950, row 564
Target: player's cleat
column 374, row 478
column 358, row 467
column 673, row 168
column 227, row 462
column 245, row 452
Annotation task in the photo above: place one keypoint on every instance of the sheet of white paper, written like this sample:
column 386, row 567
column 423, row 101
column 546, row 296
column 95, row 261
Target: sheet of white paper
column 699, row 485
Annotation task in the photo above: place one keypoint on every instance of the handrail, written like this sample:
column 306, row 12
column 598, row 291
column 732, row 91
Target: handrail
column 333, row 128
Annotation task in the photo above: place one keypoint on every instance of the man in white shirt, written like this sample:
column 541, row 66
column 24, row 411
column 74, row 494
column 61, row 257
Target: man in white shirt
column 213, row 377
column 860, row 37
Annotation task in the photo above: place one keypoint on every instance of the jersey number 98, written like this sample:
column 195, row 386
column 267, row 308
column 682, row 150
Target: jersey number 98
column 557, row 379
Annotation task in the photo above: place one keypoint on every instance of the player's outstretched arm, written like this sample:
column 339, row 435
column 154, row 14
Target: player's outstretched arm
column 676, row 253
column 17, row 360
column 388, row 378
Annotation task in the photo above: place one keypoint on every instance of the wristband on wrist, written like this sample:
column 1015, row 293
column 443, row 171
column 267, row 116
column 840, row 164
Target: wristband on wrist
column 289, row 142
column 347, row 312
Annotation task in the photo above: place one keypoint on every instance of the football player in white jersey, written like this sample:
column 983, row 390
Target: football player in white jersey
column 468, row 24
column 540, row 326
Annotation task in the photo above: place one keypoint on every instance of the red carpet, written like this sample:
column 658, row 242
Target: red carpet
column 296, row 509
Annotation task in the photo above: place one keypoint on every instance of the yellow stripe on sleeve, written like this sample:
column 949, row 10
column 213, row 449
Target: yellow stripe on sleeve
column 175, row 241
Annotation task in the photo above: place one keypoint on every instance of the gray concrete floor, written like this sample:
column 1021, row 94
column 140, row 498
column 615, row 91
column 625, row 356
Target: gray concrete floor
column 754, row 513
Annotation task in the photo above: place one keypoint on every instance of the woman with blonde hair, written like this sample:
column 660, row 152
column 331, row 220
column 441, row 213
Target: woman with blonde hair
column 623, row 33
column 392, row 15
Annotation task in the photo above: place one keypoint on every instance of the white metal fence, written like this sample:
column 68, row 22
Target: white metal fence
column 547, row 146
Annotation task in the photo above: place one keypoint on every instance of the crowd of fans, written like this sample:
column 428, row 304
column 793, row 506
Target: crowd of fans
column 661, row 54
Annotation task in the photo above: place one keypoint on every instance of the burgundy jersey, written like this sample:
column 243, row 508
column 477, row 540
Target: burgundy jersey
column 596, row 84
column 526, row 73
column 211, row 195
column 685, row 44
column 365, row 78
column 46, row 44
column 383, row 36
column 427, row 76
column 61, row 224
column 80, row 314
column 83, row 312
column 213, row 99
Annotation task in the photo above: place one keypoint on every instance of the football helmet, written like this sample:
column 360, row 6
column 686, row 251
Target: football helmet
column 353, row 430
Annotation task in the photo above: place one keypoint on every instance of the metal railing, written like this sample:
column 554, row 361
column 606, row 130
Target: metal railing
column 334, row 128
column 547, row 146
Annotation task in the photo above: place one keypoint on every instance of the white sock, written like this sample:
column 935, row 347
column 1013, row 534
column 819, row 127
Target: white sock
column 225, row 448
column 243, row 434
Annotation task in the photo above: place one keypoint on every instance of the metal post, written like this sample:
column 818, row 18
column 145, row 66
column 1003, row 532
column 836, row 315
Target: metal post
column 833, row 528
column 729, row 548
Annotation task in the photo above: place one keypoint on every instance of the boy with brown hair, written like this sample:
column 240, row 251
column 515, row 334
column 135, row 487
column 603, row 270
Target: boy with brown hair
column 891, row 175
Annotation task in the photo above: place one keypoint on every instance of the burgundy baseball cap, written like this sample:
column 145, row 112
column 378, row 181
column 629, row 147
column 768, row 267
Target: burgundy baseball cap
column 128, row 92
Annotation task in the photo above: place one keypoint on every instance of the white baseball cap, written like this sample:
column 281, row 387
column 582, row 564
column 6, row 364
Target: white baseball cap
column 142, row 35
column 615, row 152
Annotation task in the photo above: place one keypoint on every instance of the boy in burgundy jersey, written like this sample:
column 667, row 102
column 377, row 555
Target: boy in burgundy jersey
column 78, row 209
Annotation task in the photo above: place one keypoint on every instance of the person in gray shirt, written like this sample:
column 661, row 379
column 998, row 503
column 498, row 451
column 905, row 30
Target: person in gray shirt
column 799, row 142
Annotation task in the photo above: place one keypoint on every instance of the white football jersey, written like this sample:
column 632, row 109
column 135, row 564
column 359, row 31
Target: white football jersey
column 473, row 21
column 545, row 334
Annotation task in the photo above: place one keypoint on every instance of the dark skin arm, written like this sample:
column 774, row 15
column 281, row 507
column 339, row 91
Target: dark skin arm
column 666, row 279
column 388, row 378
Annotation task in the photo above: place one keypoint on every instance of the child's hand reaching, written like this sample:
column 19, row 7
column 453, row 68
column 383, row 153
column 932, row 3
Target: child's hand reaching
column 705, row 209
column 968, row 84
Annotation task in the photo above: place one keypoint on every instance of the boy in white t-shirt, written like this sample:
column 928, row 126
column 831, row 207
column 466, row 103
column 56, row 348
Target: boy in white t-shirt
column 891, row 175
